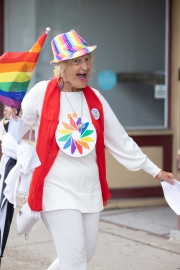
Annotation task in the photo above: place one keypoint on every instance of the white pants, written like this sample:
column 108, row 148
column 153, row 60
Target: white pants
column 74, row 235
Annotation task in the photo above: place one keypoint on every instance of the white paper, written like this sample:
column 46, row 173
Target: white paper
column 172, row 195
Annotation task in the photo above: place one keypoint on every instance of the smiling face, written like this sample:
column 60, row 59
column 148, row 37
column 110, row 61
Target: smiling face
column 76, row 73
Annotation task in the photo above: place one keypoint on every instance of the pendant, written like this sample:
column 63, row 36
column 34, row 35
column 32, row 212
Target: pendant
column 80, row 125
column 74, row 114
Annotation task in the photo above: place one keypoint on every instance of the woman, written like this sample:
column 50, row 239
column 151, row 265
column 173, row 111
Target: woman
column 73, row 124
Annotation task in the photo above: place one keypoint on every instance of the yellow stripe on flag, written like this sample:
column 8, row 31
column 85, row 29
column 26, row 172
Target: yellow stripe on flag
column 15, row 76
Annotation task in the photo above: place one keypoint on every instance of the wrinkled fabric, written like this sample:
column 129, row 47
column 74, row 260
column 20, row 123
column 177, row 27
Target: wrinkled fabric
column 27, row 161
column 48, row 149
column 14, row 128
column 117, row 142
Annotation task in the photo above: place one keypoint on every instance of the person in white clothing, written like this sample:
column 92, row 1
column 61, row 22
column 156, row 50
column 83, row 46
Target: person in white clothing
column 73, row 124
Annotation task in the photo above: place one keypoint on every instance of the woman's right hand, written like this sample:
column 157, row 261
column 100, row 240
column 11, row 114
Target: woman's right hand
column 8, row 112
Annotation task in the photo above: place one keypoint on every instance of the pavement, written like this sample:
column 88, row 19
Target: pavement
column 129, row 239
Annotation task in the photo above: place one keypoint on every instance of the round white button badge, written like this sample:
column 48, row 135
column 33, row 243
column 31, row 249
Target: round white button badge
column 75, row 141
column 95, row 113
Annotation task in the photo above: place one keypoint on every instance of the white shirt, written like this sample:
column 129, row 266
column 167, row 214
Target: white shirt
column 73, row 182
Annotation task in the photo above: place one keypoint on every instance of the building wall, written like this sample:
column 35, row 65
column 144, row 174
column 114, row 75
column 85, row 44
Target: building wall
column 157, row 144
column 133, row 41
column 175, row 80
column 118, row 176
column 1, row 26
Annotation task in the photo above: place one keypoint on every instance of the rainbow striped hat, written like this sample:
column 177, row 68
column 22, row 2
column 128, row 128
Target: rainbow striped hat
column 69, row 46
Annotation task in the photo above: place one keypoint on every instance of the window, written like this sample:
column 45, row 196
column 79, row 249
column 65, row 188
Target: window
column 132, row 39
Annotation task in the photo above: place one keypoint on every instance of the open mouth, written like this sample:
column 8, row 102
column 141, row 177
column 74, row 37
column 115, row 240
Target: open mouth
column 82, row 77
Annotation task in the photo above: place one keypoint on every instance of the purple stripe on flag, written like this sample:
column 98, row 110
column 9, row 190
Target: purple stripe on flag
column 10, row 102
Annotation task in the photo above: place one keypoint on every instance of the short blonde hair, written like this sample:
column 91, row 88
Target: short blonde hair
column 60, row 67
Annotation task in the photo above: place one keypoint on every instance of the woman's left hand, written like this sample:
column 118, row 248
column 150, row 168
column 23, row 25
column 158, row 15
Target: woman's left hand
column 166, row 176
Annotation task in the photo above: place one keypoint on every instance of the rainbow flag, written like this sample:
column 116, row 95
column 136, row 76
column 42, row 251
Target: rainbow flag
column 16, row 70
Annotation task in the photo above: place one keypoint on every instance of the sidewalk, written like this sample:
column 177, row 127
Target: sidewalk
column 136, row 239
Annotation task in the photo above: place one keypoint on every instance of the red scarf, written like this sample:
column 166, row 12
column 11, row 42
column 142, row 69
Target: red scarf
column 47, row 147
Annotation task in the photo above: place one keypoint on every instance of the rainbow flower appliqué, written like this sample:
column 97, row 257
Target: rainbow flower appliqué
column 74, row 141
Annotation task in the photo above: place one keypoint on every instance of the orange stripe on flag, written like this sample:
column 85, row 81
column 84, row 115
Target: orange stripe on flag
column 38, row 45
column 36, row 48
column 19, row 66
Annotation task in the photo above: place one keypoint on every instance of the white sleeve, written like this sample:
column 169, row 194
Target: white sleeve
column 121, row 146
column 32, row 106
column 2, row 129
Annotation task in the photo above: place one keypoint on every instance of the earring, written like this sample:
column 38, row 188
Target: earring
column 61, row 83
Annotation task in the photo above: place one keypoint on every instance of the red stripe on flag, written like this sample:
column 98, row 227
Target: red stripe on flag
column 14, row 57
column 41, row 39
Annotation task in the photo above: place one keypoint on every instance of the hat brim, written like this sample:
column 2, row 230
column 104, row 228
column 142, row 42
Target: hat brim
column 76, row 54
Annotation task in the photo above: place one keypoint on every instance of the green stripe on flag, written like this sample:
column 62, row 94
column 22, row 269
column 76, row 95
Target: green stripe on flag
column 14, row 86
